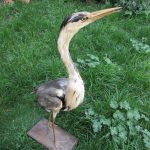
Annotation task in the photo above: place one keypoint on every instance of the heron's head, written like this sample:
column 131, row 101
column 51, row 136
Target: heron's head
column 76, row 21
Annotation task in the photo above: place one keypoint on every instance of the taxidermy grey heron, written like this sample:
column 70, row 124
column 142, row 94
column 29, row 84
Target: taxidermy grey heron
column 68, row 93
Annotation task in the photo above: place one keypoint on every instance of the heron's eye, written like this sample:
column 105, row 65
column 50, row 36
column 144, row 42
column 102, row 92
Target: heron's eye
column 84, row 18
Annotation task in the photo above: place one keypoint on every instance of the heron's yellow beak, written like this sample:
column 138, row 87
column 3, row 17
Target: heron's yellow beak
column 102, row 13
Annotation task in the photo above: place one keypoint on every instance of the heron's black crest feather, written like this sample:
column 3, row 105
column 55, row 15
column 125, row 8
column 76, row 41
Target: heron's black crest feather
column 65, row 22
column 77, row 18
column 71, row 19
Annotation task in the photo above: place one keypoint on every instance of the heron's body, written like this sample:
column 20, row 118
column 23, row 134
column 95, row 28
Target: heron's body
column 53, row 94
column 67, row 94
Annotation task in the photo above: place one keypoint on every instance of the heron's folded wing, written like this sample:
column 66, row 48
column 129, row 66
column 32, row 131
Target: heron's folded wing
column 52, row 93
column 49, row 102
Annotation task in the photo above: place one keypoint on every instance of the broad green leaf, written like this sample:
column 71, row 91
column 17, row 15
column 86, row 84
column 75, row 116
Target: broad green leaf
column 125, row 105
column 106, row 121
column 138, row 128
column 96, row 126
column 119, row 115
column 131, row 127
column 80, row 61
column 133, row 114
column 113, row 104
column 144, row 117
column 93, row 57
column 90, row 111
column 146, row 140
column 107, row 60
column 113, row 131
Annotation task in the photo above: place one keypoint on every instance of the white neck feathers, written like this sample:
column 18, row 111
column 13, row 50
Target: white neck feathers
column 63, row 47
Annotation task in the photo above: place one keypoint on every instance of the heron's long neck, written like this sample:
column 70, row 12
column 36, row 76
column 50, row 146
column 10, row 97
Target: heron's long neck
column 63, row 47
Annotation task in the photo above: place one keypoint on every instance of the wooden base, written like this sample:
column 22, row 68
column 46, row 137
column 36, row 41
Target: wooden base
column 44, row 135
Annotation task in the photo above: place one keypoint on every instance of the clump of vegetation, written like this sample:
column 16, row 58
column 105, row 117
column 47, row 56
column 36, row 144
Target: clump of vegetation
column 135, row 7
column 140, row 46
column 91, row 61
column 123, row 124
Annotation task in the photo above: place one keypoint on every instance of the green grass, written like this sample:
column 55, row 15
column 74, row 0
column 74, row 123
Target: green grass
column 29, row 56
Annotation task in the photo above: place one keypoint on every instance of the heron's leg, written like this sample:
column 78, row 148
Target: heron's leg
column 54, row 114
column 49, row 120
column 53, row 120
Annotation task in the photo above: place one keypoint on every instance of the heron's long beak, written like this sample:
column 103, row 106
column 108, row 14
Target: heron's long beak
column 102, row 13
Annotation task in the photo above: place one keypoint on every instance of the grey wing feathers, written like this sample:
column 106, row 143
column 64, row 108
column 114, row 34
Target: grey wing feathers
column 49, row 102
column 51, row 94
